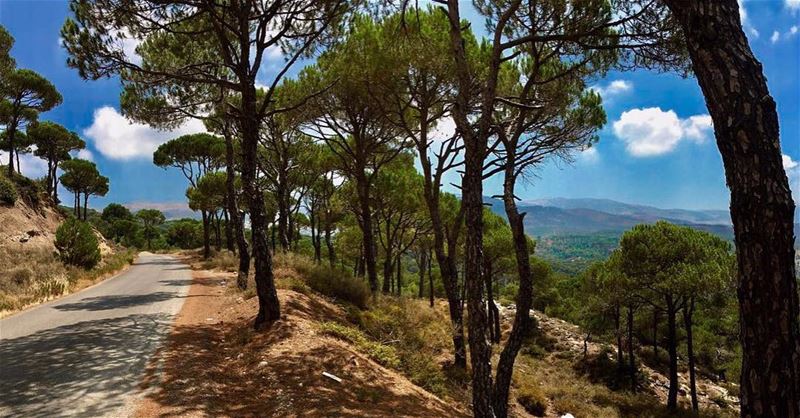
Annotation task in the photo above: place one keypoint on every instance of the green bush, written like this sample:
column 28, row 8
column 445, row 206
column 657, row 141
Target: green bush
column 383, row 354
column 8, row 193
column 335, row 282
column 28, row 190
column 77, row 244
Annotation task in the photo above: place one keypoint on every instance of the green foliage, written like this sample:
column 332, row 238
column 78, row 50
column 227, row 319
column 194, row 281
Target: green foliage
column 28, row 190
column 8, row 193
column 82, row 177
column 77, row 244
column 330, row 281
column 184, row 233
column 151, row 219
column 383, row 354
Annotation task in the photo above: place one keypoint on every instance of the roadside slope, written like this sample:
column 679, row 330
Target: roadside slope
column 215, row 365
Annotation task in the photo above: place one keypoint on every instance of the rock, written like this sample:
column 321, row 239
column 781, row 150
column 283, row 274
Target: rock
column 568, row 415
column 262, row 364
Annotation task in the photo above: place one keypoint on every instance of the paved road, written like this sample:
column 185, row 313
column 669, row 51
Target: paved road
column 85, row 354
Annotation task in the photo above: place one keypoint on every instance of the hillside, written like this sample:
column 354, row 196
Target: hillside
column 26, row 226
column 391, row 359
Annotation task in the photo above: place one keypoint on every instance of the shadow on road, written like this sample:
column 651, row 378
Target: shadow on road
column 80, row 369
column 102, row 303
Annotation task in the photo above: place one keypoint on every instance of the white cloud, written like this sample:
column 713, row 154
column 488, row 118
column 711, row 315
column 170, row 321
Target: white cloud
column 792, row 5
column 30, row 165
column 117, row 138
column 697, row 127
column 85, row 154
column 613, row 88
column 589, row 155
column 775, row 37
column 444, row 130
column 652, row 131
column 792, row 168
column 788, row 163
column 792, row 32
column 128, row 44
column 746, row 21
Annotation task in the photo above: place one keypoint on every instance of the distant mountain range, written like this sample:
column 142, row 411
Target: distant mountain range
column 562, row 216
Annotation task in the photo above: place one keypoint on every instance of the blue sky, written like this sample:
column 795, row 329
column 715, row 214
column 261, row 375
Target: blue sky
column 656, row 149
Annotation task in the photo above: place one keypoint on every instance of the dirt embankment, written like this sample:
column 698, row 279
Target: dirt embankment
column 24, row 227
column 215, row 365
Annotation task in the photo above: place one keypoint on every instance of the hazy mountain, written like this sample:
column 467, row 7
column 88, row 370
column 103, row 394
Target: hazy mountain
column 721, row 217
column 561, row 216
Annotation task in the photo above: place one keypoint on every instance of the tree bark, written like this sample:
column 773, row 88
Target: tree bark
column 422, row 261
column 206, row 236
column 329, row 244
column 631, row 357
column 362, row 184
column 282, row 196
column 85, row 203
column 618, row 334
column 762, row 209
column 672, row 341
column 12, row 130
column 430, row 279
column 268, row 304
column 399, row 263
column 235, row 217
column 229, row 245
column 655, row 334
column 687, row 323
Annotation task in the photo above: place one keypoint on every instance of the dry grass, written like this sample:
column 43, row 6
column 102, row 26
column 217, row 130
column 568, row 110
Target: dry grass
column 33, row 275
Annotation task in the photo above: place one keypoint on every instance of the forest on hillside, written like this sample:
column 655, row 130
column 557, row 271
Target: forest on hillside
column 347, row 162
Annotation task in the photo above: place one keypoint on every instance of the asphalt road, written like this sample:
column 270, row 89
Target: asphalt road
column 85, row 354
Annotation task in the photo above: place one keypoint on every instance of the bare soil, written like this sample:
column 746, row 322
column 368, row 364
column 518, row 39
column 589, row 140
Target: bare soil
column 214, row 364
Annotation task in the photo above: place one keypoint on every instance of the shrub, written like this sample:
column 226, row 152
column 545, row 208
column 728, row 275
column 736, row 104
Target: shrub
column 8, row 193
column 383, row 354
column 532, row 399
column 28, row 190
column 335, row 282
column 77, row 244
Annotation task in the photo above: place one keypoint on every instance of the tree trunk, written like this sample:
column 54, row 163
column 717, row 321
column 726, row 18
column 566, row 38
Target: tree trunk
column 399, row 275
column 672, row 341
column 430, row 278
column 233, row 210
column 655, row 334
column 268, row 304
column 388, row 271
column 618, row 334
column 762, row 209
column 217, row 231
column 283, row 211
column 206, row 235
column 329, row 244
column 631, row 358
column 85, row 203
column 422, row 260
column 229, row 244
column 687, row 323
column 362, row 184
column 11, row 132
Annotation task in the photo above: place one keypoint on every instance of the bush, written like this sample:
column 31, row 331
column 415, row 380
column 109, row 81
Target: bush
column 383, row 354
column 335, row 282
column 77, row 244
column 28, row 190
column 532, row 399
column 8, row 193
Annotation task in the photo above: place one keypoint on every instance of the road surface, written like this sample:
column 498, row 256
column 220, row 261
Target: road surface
column 85, row 354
